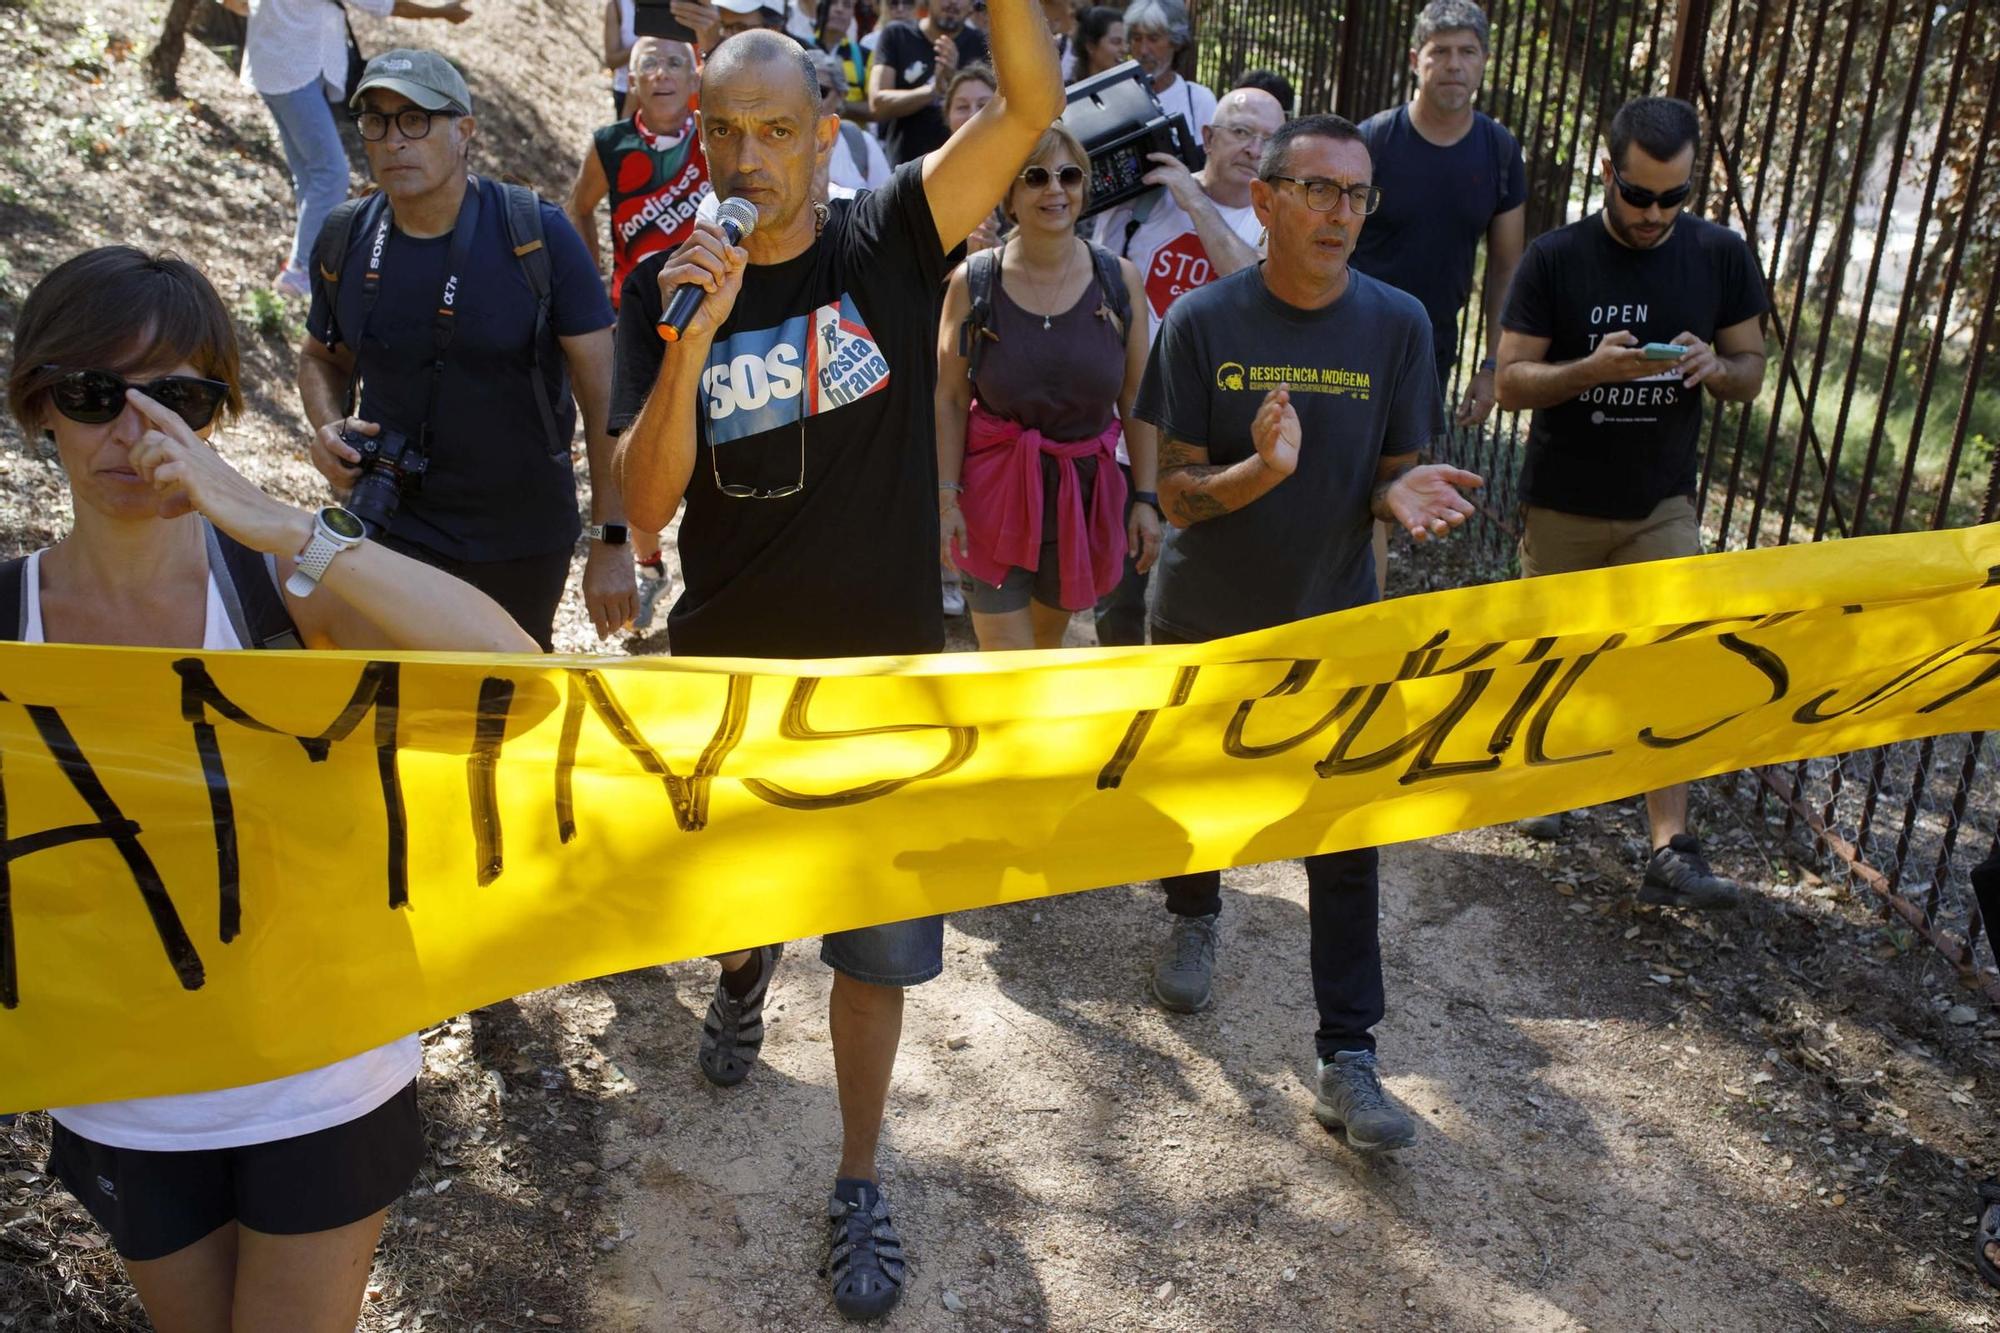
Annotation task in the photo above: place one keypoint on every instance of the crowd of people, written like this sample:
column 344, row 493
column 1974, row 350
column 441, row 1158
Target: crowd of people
column 1191, row 415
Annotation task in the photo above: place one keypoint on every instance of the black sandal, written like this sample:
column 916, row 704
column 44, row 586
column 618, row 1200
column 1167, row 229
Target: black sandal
column 864, row 1256
column 1989, row 1231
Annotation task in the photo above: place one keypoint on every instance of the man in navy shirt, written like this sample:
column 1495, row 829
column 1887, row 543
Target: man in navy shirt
column 1450, row 177
column 496, row 505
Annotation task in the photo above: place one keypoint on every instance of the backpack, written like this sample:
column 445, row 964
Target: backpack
column 247, row 580
column 857, row 145
column 983, row 269
column 524, row 234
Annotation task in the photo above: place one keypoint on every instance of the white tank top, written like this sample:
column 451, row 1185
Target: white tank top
column 258, row 1112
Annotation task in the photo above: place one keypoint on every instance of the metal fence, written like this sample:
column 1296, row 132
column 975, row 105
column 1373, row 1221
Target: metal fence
column 1854, row 143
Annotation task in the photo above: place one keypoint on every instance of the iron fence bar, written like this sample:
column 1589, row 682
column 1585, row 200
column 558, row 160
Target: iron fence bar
column 1837, row 265
column 1910, row 280
column 1810, row 395
column 1982, row 337
column 1954, row 267
column 1954, row 951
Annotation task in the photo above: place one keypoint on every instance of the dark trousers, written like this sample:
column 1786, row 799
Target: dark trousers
column 1121, row 613
column 528, row 589
column 1344, row 906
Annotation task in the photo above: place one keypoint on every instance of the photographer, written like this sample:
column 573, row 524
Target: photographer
column 464, row 308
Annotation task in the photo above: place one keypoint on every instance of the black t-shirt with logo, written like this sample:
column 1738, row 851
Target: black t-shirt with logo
column 1362, row 384
column 911, row 59
column 1617, row 450
column 835, row 347
column 1437, row 203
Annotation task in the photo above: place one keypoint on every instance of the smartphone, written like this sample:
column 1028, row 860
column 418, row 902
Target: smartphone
column 1663, row 351
column 652, row 18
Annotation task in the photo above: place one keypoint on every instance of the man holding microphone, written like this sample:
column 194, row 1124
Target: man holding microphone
column 793, row 413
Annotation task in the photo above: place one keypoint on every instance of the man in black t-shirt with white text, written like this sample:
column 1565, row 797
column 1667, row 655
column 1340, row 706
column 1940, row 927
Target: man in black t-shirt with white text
column 1612, row 327
column 794, row 414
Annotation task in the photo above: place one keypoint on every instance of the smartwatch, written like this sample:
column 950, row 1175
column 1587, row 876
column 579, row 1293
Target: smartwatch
column 611, row 534
column 1148, row 498
column 334, row 530
column 1489, row 364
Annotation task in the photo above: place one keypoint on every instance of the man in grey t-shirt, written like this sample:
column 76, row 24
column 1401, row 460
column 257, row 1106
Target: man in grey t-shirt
column 1294, row 401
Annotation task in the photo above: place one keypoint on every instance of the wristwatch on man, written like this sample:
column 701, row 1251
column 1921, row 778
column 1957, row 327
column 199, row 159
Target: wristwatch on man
column 1148, row 498
column 611, row 534
column 334, row 530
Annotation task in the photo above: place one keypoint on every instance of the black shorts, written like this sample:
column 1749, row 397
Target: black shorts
column 155, row 1203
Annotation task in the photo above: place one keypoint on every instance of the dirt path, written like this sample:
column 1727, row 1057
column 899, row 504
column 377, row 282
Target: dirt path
column 1085, row 1161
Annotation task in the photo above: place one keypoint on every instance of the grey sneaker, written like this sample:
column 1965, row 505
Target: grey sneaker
column 732, row 1032
column 1678, row 876
column 1185, row 973
column 1542, row 828
column 1351, row 1098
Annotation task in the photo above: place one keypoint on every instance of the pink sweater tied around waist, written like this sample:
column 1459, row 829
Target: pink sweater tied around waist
column 1002, row 504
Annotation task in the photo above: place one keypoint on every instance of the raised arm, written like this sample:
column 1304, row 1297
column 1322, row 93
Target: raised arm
column 965, row 178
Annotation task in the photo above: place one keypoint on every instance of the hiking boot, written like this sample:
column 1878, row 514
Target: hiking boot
column 1351, row 1098
column 732, row 1032
column 1185, row 973
column 864, row 1255
column 1542, row 828
column 1678, row 876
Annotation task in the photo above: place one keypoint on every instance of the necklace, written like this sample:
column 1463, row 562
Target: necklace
column 1048, row 321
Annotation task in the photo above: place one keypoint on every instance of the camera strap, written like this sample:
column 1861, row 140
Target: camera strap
column 444, row 324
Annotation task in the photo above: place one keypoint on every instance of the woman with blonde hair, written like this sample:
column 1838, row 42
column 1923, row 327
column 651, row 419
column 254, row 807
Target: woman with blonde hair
column 1040, row 352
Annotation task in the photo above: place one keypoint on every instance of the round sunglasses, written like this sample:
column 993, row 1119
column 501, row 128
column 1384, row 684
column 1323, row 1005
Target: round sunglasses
column 1069, row 176
column 93, row 397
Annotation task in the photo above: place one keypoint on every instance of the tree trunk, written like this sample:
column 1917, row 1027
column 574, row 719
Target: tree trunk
column 164, row 65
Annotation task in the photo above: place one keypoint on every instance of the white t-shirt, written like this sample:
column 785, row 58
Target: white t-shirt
column 1165, row 247
column 291, row 43
column 842, row 169
column 1191, row 100
column 282, row 1108
column 621, row 78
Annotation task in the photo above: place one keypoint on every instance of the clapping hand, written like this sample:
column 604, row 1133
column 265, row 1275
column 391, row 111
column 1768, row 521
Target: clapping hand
column 1427, row 501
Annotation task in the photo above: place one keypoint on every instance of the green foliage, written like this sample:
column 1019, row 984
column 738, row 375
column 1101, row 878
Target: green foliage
column 264, row 312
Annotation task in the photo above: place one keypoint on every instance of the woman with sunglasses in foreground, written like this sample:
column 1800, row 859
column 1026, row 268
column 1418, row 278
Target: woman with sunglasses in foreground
column 255, row 1207
column 1040, row 355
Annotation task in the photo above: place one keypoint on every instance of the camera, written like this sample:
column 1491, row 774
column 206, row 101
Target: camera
column 392, row 467
column 1119, row 121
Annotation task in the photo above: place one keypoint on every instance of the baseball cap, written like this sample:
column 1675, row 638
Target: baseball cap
column 425, row 77
column 747, row 6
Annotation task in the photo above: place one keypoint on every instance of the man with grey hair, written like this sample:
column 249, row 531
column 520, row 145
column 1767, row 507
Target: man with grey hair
column 1451, row 176
column 1156, row 32
column 1193, row 229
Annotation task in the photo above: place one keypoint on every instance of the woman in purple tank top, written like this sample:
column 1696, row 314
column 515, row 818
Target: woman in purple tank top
column 1032, row 504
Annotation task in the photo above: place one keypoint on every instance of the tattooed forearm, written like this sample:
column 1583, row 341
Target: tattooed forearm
column 1194, row 506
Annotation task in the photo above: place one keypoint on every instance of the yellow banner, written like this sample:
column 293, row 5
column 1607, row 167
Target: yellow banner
column 216, row 868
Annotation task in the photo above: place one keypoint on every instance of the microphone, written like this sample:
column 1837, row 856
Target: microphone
column 737, row 218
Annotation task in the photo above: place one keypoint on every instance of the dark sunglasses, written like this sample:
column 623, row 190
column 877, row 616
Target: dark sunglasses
column 94, row 397
column 1069, row 176
column 1640, row 198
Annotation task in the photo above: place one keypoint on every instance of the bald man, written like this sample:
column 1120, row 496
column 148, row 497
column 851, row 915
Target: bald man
column 794, row 415
column 1195, row 228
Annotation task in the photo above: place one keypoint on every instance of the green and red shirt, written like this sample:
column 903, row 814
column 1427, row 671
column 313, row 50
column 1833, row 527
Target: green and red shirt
column 657, row 183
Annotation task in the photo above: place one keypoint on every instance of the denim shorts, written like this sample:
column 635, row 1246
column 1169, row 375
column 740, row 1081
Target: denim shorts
column 902, row 953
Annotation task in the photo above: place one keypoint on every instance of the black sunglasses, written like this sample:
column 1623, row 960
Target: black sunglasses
column 1069, row 176
column 94, row 397
column 1642, row 198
